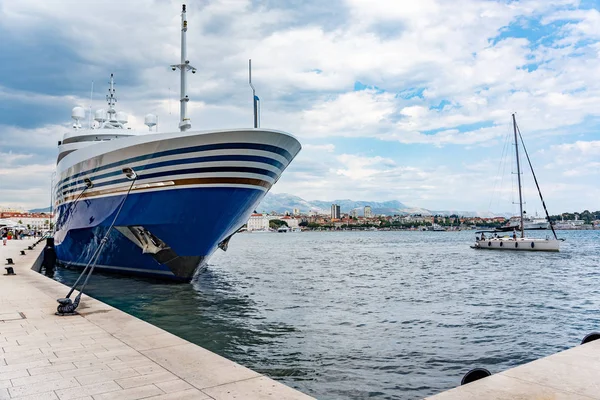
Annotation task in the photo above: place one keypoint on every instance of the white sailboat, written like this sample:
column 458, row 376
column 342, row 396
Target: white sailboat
column 518, row 241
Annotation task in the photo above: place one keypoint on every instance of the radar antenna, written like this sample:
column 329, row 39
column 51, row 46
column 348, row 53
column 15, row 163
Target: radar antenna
column 184, row 66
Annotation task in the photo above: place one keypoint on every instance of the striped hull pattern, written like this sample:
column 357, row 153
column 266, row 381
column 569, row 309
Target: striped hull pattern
column 193, row 192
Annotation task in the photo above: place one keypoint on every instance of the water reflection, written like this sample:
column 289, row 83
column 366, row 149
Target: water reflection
column 208, row 311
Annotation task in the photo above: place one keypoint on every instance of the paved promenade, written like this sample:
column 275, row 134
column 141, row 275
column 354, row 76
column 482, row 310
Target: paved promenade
column 103, row 353
column 571, row 374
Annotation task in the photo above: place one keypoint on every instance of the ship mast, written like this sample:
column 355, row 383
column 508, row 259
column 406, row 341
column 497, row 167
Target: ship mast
column 184, row 66
column 111, row 99
column 255, row 98
column 521, row 226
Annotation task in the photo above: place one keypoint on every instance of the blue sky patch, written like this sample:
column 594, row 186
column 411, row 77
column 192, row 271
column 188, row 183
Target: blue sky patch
column 358, row 86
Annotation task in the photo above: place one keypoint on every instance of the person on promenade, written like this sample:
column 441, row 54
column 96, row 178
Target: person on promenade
column 4, row 236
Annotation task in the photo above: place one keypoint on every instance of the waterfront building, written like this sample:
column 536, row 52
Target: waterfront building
column 291, row 222
column 368, row 213
column 260, row 222
column 257, row 222
column 354, row 213
column 335, row 211
column 33, row 220
column 296, row 211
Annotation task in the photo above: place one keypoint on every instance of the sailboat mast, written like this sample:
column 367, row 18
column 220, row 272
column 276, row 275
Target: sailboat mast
column 537, row 184
column 521, row 226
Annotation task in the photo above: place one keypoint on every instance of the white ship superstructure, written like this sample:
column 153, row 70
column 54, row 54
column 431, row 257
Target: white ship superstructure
column 183, row 193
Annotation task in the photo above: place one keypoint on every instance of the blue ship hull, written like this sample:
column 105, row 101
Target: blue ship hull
column 192, row 191
column 191, row 221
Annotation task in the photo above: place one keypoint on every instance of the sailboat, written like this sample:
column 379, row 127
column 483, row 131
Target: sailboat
column 518, row 241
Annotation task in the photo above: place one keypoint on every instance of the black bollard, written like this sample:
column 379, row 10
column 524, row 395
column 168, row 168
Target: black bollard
column 67, row 306
column 590, row 337
column 9, row 271
column 474, row 375
column 29, row 248
column 9, row 261
column 22, row 252
column 49, row 261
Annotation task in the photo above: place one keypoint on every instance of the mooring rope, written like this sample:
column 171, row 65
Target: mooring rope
column 66, row 306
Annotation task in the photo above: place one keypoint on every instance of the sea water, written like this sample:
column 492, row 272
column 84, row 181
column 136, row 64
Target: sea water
column 383, row 315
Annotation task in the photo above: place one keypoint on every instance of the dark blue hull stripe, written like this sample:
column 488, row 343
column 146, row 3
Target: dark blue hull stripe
column 178, row 172
column 232, row 157
column 206, row 147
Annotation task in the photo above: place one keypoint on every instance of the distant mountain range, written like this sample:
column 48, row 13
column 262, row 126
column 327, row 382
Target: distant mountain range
column 280, row 203
column 283, row 202
column 40, row 210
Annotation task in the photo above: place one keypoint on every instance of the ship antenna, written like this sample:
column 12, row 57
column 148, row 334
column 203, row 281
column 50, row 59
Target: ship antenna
column 184, row 66
column 91, row 101
column 255, row 98
column 111, row 99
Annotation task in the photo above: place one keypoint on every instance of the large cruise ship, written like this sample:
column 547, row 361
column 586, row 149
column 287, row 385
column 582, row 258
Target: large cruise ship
column 173, row 197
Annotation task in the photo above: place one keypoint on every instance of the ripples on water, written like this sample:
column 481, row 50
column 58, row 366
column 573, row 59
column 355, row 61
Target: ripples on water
column 386, row 315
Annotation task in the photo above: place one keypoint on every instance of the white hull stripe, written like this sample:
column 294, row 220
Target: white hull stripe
column 262, row 173
column 217, row 146
column 193, row 182
column 257, row 161
column 143, row 172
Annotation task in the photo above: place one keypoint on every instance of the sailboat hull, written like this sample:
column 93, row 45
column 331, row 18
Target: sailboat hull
column 521, row 244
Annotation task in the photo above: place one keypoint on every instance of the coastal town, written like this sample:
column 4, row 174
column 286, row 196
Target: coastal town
column 366, row 219
column 14, row 219
column 25, row 220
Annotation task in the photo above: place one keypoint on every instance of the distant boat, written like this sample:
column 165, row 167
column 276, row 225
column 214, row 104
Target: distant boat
column 529, row 223
column 570, row 224
column 436, row 228
column 518, row 241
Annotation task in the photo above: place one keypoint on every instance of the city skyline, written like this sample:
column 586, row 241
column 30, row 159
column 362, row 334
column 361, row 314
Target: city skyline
column 395, row 101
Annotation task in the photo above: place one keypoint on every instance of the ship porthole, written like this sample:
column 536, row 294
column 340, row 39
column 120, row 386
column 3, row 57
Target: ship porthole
column 532, row 245
column 516, row 245
column 489, row 244
column 501, row 244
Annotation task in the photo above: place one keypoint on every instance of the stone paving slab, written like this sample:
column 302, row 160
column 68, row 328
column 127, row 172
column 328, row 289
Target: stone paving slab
column 104, row 353
column 571, row 374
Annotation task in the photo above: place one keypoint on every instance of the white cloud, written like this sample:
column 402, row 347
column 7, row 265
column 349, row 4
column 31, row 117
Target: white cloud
column 306, row 61
column 25, row 186
column 44, row 138
column 326, row 147
column 10, row 157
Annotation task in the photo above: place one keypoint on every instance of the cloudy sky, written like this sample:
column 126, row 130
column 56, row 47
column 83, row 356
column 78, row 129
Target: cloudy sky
column 392, row 100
